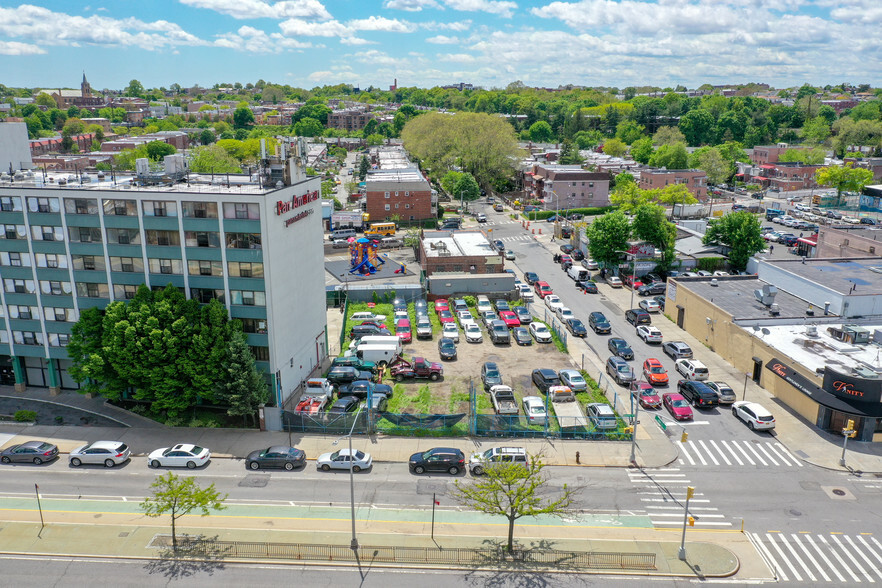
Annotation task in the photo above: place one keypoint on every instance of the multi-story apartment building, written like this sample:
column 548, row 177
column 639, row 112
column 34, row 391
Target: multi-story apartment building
column 351, row 119
column 402, row 193
column 694, row 179
column 566, row 186
column 255, row 247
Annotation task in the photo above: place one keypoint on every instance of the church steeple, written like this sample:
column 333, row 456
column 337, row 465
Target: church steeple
column 85, row 88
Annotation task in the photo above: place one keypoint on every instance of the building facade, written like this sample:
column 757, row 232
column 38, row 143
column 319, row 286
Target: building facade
column 398, row 193
column 257, row 250
column 351, row 119
column 566, row 186
column 694, row 179
column 848, row 241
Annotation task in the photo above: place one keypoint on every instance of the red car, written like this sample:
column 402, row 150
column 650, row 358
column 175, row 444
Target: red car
column 564, row 258
column 310, row 405
column 646, row 394
column 632, row 281
column 510, row 319
column 402, row 329
column 441, row 304
column 542, row 289
column 445, row 316
column 677, row 406
column 654, row 372
column 375, row 323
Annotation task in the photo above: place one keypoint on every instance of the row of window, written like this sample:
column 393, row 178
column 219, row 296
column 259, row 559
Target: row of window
column 235, row 269
column 50, row 313
column 209, row 239
column 126, row 291
column 387, row 194
column 114, row 207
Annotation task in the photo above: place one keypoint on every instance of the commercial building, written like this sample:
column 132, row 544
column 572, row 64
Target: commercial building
column 849, row 241
column 463, row 262
column 255, row 246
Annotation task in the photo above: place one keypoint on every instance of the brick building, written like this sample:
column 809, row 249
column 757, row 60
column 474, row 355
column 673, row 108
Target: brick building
column 177, row 139
column 459, row 252
column 53, row 144
column 351, row 119
column 849, row 241
column 694, row 179
column 770, row 153
column 81, row 99
column 404, row 193
column 566, row 186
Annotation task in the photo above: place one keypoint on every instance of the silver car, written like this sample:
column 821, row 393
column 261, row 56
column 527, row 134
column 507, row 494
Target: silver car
column 573, row 379
column 107, row 453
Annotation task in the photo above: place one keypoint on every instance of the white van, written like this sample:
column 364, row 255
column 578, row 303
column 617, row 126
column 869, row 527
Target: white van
column 483, row 303
column 342, row 234
column 578, row 273
column 380, row 354
column 388, row 340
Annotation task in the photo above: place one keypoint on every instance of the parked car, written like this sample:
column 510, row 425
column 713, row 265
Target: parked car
column 106, row 453
column 343, row 459
column 531, row 277
column 573, row 379
column 464, row 317
column 419, row 367
column 423, row 328
column 353, row 361
column 478, row 462
column 498, row 332
column 542, row 289
column 691, row 369
column 481, row 217
column 179, row 456
column 523, row 315
column 614, row 281
column 645, row 394
column 343, row 375
column 590, row 264
column 402, row 329
column 359, row 389
column 638, row 316
column 544, row 378
column 510, row 319
column 35, row 452
column 620, row 371
column 649, row 305
column 651, row 289
column 619, row 347
column 649, row 334
column 487, row 317
column 344, row 404
column 442, row 304
column 654, row 372
column 499, row 245
column 598, row 322
column 502, row 305
column 563, row 313
column 446, row 348
column 576, row 327
column 540, row 332
column 724, row 391
column 752, row 413
column 632, row 281
column 587, row 285
column 525, row 293
column 360, row 317
column 437, row 459
column 521, row 336
column 510, row 255
column 602, row 416
column 277, row 456
column 534, row 410
column 677, row 349
column 677, row 406
column 553, row 302
column 473, row 333
column 661, row 302
column 698, row 393
column 450, row 331
column 399, row 304
column 445, row 316
column 490, row 375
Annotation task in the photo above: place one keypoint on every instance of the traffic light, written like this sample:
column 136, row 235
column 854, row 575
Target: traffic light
column 849, row 430
column 684, row 437
column 690, row 492
column 691, row 521
column 629, row 430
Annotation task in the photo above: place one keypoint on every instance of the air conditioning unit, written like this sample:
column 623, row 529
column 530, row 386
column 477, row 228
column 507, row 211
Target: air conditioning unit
column 766, row 295
column 811, row 331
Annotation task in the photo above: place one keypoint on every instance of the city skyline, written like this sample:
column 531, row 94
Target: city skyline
column 490, row 43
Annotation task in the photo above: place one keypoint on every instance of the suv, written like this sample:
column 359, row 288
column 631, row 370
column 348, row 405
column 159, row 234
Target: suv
column 620, row 371
column 677, row 350
column 601, row 416
column 598, row 322
column 725, row 391
column 618, row 346
column 499, row 332
column 638, row 316
column 437, row 459
column 423, row 328
column 479, row 461
column 698, row 393
column 490, row 375
column 691, row 369
column 544, row 378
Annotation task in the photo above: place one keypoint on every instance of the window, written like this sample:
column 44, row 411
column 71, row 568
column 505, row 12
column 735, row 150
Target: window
column 253, row 325
column 57, row 314
column 84, row 234
column 163, row 238
column 10, row 204
column 388, row 208
column 22, row 312
column 201, row 267
column 15, row 259
column 248, row 298
column 407, row 193
column 260, row 353
column 43, row 205
column 127, row 264
column 120, row 208
column 245, row 269
column 396, row 205
column 13, row 232
column 201, row 239
column 165, row 266
column 243, row 240
column 44, row 233
column 80, row 206
column 199, row 209
column 206, row 295
column 19, row 286
column 159, row 208
column 54, row 287
column 124, row 291
column 242, row 210
column 124, row 236
column 52, row 260
column 58, row 339
column 27, row 338
column 590, row 184
column 88, row 263
column 92, row 290
column 387, row 195
column 872, row 251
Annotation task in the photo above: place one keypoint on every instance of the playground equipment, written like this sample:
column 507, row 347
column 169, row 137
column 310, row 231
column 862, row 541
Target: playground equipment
column 363, row 256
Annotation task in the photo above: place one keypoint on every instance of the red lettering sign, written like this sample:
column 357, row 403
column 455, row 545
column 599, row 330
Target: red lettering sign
column 296, row 201
column 780, row 370
column 846, row 388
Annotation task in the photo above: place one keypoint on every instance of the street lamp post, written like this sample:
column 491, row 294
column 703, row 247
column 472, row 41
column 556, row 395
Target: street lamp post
column 633, row 272
column 634, row 430
column 353, row 545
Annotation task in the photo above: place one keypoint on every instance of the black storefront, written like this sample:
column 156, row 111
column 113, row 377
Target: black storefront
column 841, row 398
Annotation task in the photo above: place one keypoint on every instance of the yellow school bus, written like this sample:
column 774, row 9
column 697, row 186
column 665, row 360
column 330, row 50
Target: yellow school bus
column 380, row 230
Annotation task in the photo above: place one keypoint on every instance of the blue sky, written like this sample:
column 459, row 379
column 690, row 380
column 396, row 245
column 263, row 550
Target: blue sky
column 308, row 43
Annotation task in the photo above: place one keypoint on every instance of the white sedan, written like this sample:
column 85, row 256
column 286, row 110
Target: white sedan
column 525, row 292
column 450, row 330
column 564, row 313
column 553, row 302
column 534, row 409
column 473, row 333
column 181, row 455
column 340, row 460
column 540, row 332
column 107, row 453
column 649, row 334
column 650, row 305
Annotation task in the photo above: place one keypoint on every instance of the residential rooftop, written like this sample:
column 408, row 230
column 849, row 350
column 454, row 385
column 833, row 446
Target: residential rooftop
column 457, row 244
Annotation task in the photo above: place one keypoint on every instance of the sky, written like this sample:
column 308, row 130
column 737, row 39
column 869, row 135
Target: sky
column 489, row 43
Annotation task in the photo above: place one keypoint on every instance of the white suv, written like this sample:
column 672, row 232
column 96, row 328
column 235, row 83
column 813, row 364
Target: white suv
column 692, row 369
column 480, row 461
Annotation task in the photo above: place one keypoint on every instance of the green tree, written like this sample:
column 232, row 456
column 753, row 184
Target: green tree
column 541, row 132
column 650, row 225
column 717, row 168
column 608, row 235
column 627, row 196
column 514, row 491
column 668, row 136
column 134, row 89
column 212, row 159
column 375, row 139
column 44, row 99
column 467, row 188
column 569, row 154
column 642, row 150
column 740, row 232
column 156, row 150
column 816, row 130
column 670, row 157
column 845, row 178
column 588, row 139
column 675, row 194
column 629, row 131
column 206, row 137
column 243, row 387
column 615, row 147
column 363, row 167
column 72, row 127
column 698, row 127
column 448, row 181
column 243, row 117
column 308, row 127
column 813, row 156
column 178, row 497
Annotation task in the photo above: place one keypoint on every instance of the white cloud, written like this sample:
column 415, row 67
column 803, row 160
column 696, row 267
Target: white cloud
column 500, row 7
column 443, row 40
column 457, row 25
column 254, row 40
column 331, row 28
column 379, row 23
column 456, row 58
column 251, row 9
column 376, row 57
column 16, row 48
column 356, row 41
column 410, row 5
column 57, row 28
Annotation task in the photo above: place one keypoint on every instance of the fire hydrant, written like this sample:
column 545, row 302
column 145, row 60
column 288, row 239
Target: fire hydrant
column 577, row 457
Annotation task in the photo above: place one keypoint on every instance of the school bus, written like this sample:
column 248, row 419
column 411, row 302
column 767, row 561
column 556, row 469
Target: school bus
column 380, row 230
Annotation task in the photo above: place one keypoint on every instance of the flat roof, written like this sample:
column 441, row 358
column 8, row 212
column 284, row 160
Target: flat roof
column 734, row 294
column 864, row 274
column 457, row 244
column 822, row 349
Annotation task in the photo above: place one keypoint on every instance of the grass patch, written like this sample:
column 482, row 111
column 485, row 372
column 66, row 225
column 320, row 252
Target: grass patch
column 456, row 398
column 416, row 402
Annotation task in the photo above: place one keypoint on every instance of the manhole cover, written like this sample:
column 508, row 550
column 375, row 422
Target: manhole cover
column 838, row 492
column 252, row 481
column 794, row 512
column 431, row 487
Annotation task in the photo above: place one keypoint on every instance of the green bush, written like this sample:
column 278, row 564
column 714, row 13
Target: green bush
column 25, row 416
column 544, row 214
column 470, row 300
column 710, row 264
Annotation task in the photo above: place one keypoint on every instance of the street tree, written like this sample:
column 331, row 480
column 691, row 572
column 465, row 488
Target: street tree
column 243, row 388
column 717, row 168
column 466, row 188
column 670, row 157
column 675, row 194
column 156, row 150
column 740, row 232
column 615, row 147
column 627, row 196
column 211, row 159
column 243, row 117
column 363, row 167
column 448, row 181
column 650, row 225
column 608, row 235
column 541, row 132
column 845, row 178
column 178, row 497
column 514, row 491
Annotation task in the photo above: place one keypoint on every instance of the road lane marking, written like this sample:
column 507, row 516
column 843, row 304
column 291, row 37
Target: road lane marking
column 784, row 559
column 820, row 551
column 841, row 561
column 853, row 560
column 866, row 559
column 799, row 559
column 722, row 453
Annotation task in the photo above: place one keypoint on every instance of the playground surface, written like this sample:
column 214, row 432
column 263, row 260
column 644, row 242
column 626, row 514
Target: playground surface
column 340, row 270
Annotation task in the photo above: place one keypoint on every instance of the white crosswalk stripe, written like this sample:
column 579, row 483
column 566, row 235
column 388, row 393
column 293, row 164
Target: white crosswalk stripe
column 516, row 239
column 663, row 494
column 804, row 557
column 737, row 453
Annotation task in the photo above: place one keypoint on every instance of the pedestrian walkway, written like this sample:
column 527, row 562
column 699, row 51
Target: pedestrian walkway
column 736, row 453
column 818, row 558
column 517, row 239
column 663, row 493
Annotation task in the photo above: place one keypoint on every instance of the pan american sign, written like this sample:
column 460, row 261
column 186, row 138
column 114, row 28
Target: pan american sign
column 286, row 206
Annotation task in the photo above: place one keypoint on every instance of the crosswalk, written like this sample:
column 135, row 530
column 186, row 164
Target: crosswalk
column 663, row 494
column 868, row 483
column 833, row 557
column 516, row 239
column 736, row 453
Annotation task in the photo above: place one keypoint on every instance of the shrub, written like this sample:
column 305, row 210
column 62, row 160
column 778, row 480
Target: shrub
column 25, row 416
column 470, row 300
column 710, row 264
column 544, row 214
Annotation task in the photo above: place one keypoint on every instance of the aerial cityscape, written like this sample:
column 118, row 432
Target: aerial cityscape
column 567, row 293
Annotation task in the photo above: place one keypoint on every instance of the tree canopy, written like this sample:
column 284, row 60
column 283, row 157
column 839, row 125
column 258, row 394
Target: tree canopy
column 740, row 232
column 607, row 236
column 178, row 497
column 845, row 178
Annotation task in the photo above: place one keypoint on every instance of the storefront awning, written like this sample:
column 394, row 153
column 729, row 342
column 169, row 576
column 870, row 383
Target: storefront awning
column 808, row 241
column 821, row 396
column 767, row 166
column 763, row 178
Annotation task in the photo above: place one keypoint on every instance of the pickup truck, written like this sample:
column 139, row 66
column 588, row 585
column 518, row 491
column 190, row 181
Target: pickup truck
column 569, row 413
column 504, row 401
column 312, row 405
column 418, row 368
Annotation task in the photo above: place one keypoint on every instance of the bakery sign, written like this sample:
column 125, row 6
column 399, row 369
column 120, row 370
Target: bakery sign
column 286, row 206
column 852, row 387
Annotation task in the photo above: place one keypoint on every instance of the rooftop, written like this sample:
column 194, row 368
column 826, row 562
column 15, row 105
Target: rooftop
column 840, row 275
column 126, row 182
column 821, row 349
column 457, row 244
column 734, row 294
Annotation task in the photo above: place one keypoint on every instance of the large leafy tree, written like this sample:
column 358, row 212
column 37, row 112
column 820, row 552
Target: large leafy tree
column 541, row 132
column 607, row 236
column 627, row 196
column 670, row 157
column 717, row 168
column 569, row 154
column 740, row 232
column 178, row 497
column 642, row 150
column 845, row 178
column 675, row 194
column 668, row 136
column 156, row 150
column 466, row 188
column 650, row 225
column 698, row 126
column 615, row 147
column 212, row 159
column 243, row 117
column 243, row 388
column 308, row 127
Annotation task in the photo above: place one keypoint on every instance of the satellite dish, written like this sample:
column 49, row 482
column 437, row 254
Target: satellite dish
column 766, row 331
column 755, row 328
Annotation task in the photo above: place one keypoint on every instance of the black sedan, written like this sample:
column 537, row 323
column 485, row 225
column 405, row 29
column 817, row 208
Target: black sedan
column 531, row 277
column 652, row 289
column 521, row 336
column 358, row 388
column 344, row 405
column 620, row 347
column 446, row 348
column 588, row 286
column 576, row 327
column 278, row 456
column 344, row 375
column 35, row 452
column 382, row 390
